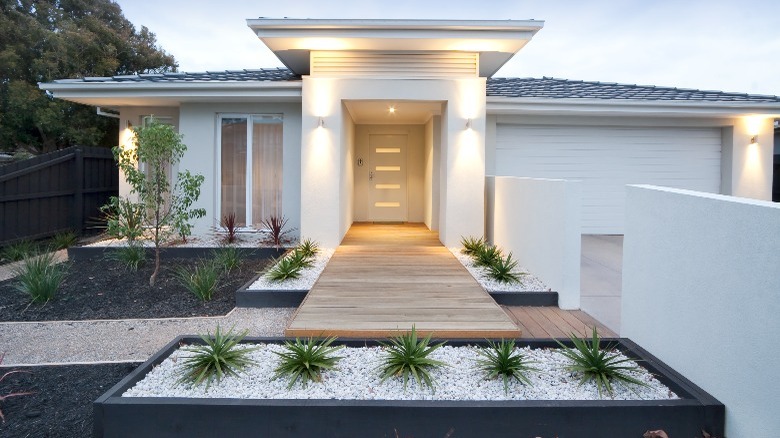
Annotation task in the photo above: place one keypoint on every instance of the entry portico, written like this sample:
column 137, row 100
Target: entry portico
column 435, row 67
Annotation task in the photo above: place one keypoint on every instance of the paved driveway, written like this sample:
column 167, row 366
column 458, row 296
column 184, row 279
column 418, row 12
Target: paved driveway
column 601, row 266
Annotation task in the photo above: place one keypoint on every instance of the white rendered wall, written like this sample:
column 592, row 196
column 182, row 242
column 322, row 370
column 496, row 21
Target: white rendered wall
column 701, row 283
column 348, row 180
column 748, row 170
column 462, row 164
column 538, row 220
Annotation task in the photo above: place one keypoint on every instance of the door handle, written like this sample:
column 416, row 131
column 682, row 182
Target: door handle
column 370, row 176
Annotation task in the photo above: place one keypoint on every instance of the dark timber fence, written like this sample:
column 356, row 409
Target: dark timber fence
column 55, row 192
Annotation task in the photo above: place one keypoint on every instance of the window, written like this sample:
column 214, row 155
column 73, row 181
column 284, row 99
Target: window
column 250, row 165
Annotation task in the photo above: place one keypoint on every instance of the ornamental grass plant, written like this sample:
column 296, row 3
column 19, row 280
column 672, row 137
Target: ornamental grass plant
column 40, row 276
column 201, row 281
column 306, row 360
column 219, row 356
column 503, row 359
column 407, row 356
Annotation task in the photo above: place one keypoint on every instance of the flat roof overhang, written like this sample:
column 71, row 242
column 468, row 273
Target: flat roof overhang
column 496, row 41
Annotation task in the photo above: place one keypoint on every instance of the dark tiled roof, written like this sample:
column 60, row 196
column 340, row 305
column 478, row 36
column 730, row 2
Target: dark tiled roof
column 567, row 89
column 265, row 74
column 501, row 87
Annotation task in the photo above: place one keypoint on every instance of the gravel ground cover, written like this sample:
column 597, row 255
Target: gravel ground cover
column 104, row 289
column 61, row 405
column 357, row 378
column 528, row 282
column 306, row 280
column 255, row 239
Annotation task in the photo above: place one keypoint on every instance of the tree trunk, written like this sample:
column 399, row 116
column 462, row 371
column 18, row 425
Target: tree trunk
column 153, row 278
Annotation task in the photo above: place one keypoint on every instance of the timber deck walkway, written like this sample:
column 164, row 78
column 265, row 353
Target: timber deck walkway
column 384, row 278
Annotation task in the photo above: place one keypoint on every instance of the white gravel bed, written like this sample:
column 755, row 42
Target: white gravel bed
column 306, row 280
column 255, row 239
column 357, row 378
column 528, row 282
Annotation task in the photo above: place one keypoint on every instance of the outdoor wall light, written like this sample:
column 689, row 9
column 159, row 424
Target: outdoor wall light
column 320, row 122
column 754, row 139
column 468, row 124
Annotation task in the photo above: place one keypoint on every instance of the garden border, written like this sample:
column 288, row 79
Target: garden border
column 118, row 416
column 168, row 252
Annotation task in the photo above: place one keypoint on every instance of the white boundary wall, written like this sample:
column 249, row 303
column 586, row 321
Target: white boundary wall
column 539, row 221
column 701, row 291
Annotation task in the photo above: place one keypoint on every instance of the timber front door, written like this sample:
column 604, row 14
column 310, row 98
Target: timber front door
column 387, row 178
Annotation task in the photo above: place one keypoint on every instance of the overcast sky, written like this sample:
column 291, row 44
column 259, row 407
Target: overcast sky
column 714, row 45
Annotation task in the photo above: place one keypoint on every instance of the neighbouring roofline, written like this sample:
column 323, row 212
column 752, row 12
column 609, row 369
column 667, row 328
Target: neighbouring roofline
column 293, row 40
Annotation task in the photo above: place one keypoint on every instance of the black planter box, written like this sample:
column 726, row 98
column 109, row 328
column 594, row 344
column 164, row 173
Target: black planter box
column 696, row 411
column 95, row 252
column 246, row 297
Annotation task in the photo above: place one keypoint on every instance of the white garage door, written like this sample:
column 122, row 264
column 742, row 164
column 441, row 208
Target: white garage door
column 606, row 158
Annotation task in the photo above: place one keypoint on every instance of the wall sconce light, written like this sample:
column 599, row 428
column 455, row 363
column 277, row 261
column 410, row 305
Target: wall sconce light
column 754, row 139
column 468, row 124
column 320, row 122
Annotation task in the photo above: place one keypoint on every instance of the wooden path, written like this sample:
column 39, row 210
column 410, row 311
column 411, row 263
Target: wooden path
column 552, row 322
column 384, row 278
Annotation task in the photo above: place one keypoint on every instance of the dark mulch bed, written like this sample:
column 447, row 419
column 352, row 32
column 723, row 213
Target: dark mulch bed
column 62, row 404
column 105, row 289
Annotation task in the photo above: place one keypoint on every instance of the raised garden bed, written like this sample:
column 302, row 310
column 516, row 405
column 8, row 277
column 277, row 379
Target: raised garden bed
column 693, row 412
column 181, row 252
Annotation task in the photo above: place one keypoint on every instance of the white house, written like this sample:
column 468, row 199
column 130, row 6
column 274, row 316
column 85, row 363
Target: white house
column 401, row 120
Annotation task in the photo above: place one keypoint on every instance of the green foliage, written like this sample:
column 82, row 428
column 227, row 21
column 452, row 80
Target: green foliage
column 19, row 250
column 124, row 219
column 309, row 248
column 219, row 357
column 39, row 277
column 11, row 394
column 284, row 269
column 202, row 281
column 501, row 359
column 131, row 256
column 408, row 356
column 305, row 360
column 51, row 39
column 472, row 245
column 168, row 207
column 486, row 256
column 502, row 269
column 599, row 365
column 227, row 258
column 63, row 240
column 277, row 229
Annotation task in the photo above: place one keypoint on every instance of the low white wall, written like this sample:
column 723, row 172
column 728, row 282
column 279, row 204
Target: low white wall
column 701, row 291
column 538, row 220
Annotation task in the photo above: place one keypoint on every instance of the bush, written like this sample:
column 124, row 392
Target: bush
column 227, row 258
column 309, row 248
column 501, row 359
column 19, row 251
column 39, row 277
column 502, row 270
column 408, row 356
column 472, row 245
column 124, row 219
column 131, row 256
column 486, row 256
column 202, row 281
column 284, row 269
column 217, row 358
column 305, row 360
column 63, row 240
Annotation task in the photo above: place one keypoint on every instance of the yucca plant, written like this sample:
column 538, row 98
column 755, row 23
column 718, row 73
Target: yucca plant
column 276, row 227
column 305, row 360
column 63, row 240
column 284, row 269
column 599, row 365
column 202, row 281
column 227, row 258
column 18, row 251
column 501, row 359
column 486, row 255
column 299, row 257
column 39, row 277
column 131, row 256
column 408, row 356
column 503, row 269
column 218, row 357
column 472, row 245
column 309, row 248
column 231, row 227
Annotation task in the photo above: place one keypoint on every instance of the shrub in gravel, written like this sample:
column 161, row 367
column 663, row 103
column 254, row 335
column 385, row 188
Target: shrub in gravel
column 202, row 281
column 63, row 240
column 305, row 360
column 472, row 245
column 502, row 269
column 39, row 277
column 486, row 255
column 218, row 357
column 131, row 256
column 599, row 365
column 227, row 258
column 308, row 248
column 502, row 359
column 18, row 251
column 285, row 268
column 408, row 356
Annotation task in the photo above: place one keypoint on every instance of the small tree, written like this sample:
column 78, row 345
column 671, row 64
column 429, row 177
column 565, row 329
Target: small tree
column 168, row 207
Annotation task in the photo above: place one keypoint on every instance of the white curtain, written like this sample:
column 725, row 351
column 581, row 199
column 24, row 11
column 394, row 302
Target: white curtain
column 266, row 168
column 234, row 168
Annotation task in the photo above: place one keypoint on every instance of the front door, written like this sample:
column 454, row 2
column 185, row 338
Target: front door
column 387, row 178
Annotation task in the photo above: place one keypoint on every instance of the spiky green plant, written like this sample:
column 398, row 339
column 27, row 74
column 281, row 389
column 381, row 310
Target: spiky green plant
column 227, row 258
column 131, row 256
column 305, row 360
column 599, row 365
column 284, row 269
column 218, row 357
column 201, row 281
column 39, row 277
column 63, row 240
column 309, row 248
column 486, row 255
column 503, row 269
column 471, row 245
column 408, row 356
column 501, row 359
column 18, row 251
column 299, row 257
